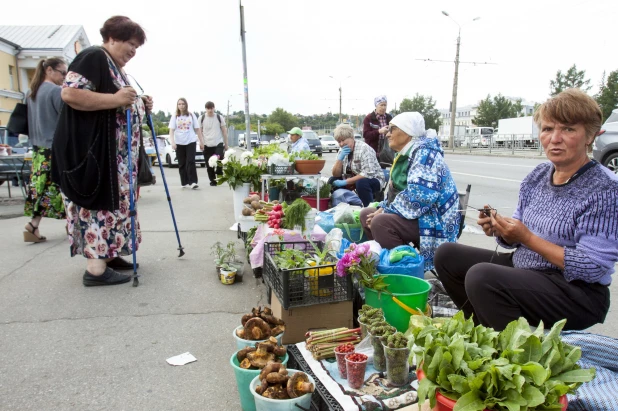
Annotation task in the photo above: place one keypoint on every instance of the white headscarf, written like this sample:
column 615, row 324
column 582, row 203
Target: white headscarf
column 431, row 133
column 411, row 123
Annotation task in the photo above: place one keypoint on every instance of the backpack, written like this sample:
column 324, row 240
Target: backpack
column 201, row 120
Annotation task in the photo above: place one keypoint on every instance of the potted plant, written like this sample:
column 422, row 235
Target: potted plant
column 240, row 172
column 311, row 198
column 274, row 188
column 228, row 274
column 308, row 163
column 219, row 252
column 321, row 278
column 462, row 365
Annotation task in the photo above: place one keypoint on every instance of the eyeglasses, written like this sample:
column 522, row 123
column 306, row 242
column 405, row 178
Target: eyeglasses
column 64, row 73
column 392, row 128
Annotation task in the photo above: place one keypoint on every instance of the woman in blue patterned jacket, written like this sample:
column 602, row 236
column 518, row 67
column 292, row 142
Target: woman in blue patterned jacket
column 422, row 201
column 564, row 232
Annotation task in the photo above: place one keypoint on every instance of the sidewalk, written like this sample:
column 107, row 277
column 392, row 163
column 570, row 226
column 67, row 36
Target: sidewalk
column 67, row 347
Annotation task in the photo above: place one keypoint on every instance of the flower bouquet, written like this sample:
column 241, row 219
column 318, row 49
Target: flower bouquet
column 358, row 260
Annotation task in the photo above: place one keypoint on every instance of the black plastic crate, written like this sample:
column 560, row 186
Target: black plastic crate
column 297, row 287
column 281, row 170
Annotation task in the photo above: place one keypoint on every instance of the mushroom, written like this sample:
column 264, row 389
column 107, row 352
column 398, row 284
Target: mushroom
column 245, row 364
column 256, row 329
column 267, row 311
column 273, row 367
column 299, row 385
column 261, row 357
column 262, row 387
column 277, row 330
column 240, row 333
column 277, row 392
column 246, row 318
column 276, row 378
column 242, row 354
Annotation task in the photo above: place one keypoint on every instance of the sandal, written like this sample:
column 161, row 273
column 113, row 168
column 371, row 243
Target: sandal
column 31, row 237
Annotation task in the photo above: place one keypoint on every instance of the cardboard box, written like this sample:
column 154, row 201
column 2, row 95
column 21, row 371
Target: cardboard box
column 299, row 320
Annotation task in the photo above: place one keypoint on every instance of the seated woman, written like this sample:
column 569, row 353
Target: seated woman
column 564, row 232
column 356, row 165
column 422, row 203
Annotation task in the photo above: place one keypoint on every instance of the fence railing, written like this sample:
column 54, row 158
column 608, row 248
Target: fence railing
column 495, row 142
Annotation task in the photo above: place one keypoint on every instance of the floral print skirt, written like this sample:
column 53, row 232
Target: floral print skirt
column 44, row 198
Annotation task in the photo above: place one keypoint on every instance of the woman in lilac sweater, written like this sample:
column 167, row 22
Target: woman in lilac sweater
column 564, row 233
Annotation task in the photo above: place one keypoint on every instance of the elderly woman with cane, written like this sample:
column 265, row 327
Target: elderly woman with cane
column 91, row 153
column 422, row 203
column 564, row 233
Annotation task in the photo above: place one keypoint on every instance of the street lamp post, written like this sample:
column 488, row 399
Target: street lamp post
column 340, row 81
column 451, row 138
column 228, row 105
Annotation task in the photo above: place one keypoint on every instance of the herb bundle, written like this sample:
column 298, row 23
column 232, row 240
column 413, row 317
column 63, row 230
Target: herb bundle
column 295, row 214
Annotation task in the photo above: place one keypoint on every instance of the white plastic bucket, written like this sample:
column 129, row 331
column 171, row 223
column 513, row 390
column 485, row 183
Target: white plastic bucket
column 240, row 343
column 268, row 404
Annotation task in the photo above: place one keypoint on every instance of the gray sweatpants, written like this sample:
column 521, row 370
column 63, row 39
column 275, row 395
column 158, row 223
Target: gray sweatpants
column 390, row 230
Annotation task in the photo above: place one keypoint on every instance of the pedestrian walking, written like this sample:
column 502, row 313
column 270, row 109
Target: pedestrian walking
column 44, row 105
column 184, row 133
column 91, row 153
column 214, row 131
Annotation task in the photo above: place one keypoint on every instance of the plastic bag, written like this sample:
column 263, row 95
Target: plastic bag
column 343, row 196
column 345, row 244
column 403, row 259
column 333, row 240
column 326, row 221
column 365, row 347
column 344, row 214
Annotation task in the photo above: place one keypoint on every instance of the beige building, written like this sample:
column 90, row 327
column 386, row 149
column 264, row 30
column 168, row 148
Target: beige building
column 21, row 49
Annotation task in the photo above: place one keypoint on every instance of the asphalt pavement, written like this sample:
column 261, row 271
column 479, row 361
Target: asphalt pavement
column 68, row 347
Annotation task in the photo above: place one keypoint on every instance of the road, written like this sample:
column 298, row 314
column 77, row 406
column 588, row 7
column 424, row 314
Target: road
column 494, row 180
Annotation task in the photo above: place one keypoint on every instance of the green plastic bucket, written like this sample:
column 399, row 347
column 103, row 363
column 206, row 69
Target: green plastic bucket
column 243, row 380
column 411, row 291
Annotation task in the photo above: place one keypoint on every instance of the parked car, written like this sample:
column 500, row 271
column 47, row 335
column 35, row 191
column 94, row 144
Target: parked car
column 18, row 146
column 605, row 147
column 329, row 143
column 314, row 142
column 169, row 155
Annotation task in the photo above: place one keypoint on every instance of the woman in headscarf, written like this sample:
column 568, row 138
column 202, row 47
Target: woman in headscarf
column 422, row 203
column 375, row 125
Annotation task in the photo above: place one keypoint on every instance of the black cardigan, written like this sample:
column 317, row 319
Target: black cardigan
column 84, row 149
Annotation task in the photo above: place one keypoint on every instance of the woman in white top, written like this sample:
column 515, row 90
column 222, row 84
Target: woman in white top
column 184, row 133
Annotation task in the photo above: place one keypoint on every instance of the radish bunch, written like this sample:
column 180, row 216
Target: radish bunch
column 275, row 216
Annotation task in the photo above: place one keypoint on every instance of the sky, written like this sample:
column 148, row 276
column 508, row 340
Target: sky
column 371, row 48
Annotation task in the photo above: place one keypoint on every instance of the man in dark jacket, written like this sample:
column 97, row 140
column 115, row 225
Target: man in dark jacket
column 375, row 127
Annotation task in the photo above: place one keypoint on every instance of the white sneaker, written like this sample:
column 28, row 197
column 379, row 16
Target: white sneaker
column 186, row 186
column 194, row 186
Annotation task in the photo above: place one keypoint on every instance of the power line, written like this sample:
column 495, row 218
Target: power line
column 461, row 62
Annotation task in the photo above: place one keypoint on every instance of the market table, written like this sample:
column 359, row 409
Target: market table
column 267, row 177
column 330, row 395
column 17, row 163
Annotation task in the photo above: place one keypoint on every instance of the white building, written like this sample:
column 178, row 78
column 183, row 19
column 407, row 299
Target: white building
column 465, row 114
column 33, row 43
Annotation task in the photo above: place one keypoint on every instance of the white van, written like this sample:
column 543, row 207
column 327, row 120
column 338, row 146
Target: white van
column 478, row 136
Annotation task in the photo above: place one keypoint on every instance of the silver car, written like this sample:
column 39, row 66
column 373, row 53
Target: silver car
column 605, row 147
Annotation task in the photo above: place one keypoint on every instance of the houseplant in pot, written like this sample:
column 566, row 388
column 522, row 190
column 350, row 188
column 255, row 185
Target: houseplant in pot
column 311, row 198
column 469, row 367
column 241, row 172
column 308, row 163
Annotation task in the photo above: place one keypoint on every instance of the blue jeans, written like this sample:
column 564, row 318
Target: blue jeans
column 366, row 188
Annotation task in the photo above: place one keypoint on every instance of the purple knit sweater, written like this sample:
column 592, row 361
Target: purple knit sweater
column 581, row 216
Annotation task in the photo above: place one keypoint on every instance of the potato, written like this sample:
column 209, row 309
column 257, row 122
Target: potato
column 255, row 197
column 246, row 212
column 256, row 205
column 247, row 200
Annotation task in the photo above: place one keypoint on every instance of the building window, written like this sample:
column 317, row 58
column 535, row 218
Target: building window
column 12, row 80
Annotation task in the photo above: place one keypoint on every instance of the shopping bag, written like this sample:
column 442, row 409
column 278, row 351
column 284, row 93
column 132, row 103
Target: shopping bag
column 352, row 232
column 326, row 221
column 403, row 259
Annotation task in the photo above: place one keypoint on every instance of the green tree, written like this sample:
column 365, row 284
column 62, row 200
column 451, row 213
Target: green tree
column 491, row 110
column 426, row 106
column 608, row 94
column 282, row 117
column 573, row 78
column 272, row 129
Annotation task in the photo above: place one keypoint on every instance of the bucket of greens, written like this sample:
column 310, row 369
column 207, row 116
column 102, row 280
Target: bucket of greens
column 480, row 368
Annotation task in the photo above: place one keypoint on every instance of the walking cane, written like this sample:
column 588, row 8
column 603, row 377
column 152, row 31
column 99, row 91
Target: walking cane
column 167, row 192
column 131, row 201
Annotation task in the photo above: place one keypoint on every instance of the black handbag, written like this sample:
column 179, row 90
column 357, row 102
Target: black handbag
column 144, row 175
column 18, row 122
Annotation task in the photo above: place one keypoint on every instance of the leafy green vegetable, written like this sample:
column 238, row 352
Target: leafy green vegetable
column 479, row 368
column 295, row 214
